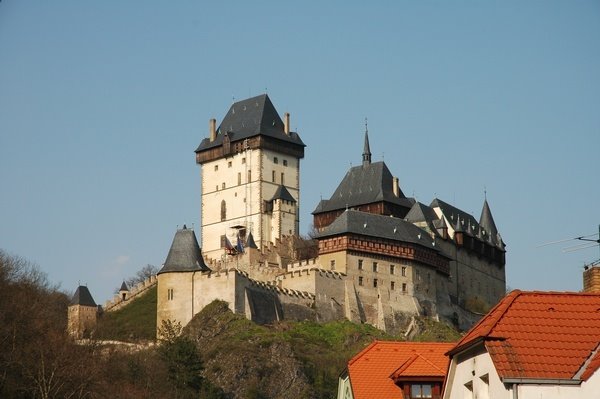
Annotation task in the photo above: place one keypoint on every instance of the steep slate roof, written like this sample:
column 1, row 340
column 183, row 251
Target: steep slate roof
column 468, row 224
column 124, row 287
column 250, row 241
column 83, row 297
column 423, row 213
column 540, row 335
column 373, row 370
column 283, row 193
column 248, row 118
column 364, row 184
column 487, row 221
column 185, row 254
column 369, row 224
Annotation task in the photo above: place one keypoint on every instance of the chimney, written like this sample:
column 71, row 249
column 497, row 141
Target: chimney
column 591, row 279
column 396, row 187
column 286, row 123
column 212, row 126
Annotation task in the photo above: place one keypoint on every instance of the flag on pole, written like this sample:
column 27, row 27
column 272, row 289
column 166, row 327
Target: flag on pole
column 240, row 245
column 228, row 247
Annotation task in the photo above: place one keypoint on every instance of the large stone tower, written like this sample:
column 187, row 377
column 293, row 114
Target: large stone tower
column 250, row 177
column 82, row 316
column 176, row 294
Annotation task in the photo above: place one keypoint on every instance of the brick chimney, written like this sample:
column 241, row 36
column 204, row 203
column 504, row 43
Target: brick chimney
column 212, row 127
column 591, row 279
column 286, row 123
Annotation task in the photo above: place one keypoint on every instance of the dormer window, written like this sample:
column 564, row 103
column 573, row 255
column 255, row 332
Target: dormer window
column 421, row 391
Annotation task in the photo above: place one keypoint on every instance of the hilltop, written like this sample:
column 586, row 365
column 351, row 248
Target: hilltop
column 284, row 359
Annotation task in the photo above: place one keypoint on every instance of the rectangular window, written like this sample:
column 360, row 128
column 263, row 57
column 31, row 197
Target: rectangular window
column 403, row 271
column 403, row 287
column 332, row 264
column 360, row 280
column 275, row 160
column 360, row 264
column 243, row 160
column 374, row 283
column 375, row 267
column 170, row 294
column 282, row 182
column 421, row 391
column 229, row 164
column 285, row 162
column 216, row 167
column 392, row 286
column 239, row 178
column 223, row 185
column 249, row 176
column 273, row 176
column 392, row 269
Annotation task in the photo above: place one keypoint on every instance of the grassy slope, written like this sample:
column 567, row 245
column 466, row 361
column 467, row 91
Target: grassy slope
column 320, row 351
column 134, row 322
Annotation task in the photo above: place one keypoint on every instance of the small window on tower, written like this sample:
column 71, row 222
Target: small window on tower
column 249, row 176
column 282, row 183
column 223, row 210
column 243, row 160
column 239, row 178
column 216, row 167
column 403, row 271
column 375, row 283
column 360, row 264
column 392, row 267
column 229, row 164
column 273, row 176
column 275, row 160
column 392, row 285
column 223, row 185
column 285, row 162
column 332, row 264
column 360, row 280
column 375, row 267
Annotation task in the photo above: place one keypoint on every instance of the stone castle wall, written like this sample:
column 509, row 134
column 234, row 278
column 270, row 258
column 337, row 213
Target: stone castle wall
column 138, row 290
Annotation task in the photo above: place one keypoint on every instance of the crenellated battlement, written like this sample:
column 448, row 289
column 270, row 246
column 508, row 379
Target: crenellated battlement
column 138, row 290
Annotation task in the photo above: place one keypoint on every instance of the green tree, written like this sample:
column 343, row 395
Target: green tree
column 182, row 359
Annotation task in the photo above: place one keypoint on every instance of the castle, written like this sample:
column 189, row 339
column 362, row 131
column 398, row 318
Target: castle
column 376, row 257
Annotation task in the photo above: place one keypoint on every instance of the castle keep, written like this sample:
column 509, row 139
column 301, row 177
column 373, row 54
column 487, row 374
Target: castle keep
column 377, row 256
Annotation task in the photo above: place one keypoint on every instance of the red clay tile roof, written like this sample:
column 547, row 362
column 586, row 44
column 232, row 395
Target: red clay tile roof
column 541, row 335
column 371, row 370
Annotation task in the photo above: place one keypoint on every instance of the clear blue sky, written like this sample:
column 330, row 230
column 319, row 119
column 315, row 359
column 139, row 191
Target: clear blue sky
column 103, row 103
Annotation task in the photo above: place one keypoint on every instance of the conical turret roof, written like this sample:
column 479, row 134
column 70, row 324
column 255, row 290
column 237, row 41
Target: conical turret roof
column 487, row 221
column 185, row 254
column 250, row 241
column 83, row 297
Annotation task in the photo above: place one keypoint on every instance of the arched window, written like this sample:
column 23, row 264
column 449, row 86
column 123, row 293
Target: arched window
column 223, row 210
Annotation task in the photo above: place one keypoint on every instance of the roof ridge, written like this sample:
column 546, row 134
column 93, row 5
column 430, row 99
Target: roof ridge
column 502, row 307
column 411, row 359
column 363, row 352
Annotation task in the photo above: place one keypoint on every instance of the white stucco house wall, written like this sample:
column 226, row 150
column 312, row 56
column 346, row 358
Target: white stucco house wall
column 543, row 345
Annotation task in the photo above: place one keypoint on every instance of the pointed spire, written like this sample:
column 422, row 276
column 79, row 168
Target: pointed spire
column 250, row 241
column 458, row 226
column 124, row 287
column 367, row 150
column 487, row 221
